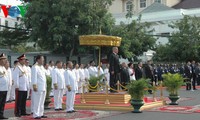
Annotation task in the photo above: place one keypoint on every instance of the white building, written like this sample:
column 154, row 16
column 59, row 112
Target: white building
column 160, row 16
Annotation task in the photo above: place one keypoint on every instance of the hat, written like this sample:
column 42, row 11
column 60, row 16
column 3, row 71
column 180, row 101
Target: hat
column 21, row 57
column 2, row 56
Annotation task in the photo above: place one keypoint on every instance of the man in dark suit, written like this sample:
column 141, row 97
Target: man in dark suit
column 188, row 75
column 114, row 68
column 149, row 73
column 139, row 73
column 193, row 66
column 125, row 78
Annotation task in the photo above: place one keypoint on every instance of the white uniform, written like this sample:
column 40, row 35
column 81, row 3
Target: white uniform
column 20, row 77
column 87, row 77
column 9, row 84
column 70, row 79
column 107, row 75
column 12, row 92
column 81, row 81
column 38, row 78
column 47, row 72
column 77, row 77
column 29, row 78
column 4, row 81
column 58, row 78
column 93, row 71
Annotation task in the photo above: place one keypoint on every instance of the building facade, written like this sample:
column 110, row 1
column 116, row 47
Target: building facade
column 160, row 15
column 136, row 6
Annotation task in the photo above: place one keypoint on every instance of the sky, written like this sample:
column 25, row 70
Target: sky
column 10, row 2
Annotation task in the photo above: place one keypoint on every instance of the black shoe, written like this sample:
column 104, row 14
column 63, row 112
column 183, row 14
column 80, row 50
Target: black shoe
column 74, row 111
column 25, row 114
column 195, row 89
column 37, row 118
column 17, row 115
column 57, row 109
column 69, row 111
column 60, row 109
column 2, row 117
column 43, row 116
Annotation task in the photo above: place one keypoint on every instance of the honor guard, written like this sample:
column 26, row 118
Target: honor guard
column 21, row 86
column 38, row 81
column 58, row 85
column 71, row 84
column 3, row 85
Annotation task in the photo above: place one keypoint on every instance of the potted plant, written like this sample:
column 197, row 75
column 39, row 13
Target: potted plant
column 137, row 89
column 173, row 82
column 93, row 82
column 48, row 99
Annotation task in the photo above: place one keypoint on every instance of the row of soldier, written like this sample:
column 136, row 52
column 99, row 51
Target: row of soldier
column 21, row 81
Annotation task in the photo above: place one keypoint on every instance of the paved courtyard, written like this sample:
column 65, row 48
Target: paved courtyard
column 188, row 109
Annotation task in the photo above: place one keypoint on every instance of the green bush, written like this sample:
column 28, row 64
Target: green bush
column 138, row 88
column 93, row 80
column 173, row 82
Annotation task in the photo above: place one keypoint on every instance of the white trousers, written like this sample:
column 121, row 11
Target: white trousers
column 8, row 93
column 70, row 100
column 58, row 95
column 12, row 93
column 38, row 100
column 80, row 86
column 32, row 101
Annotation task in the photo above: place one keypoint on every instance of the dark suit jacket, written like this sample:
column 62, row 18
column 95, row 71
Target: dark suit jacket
column 188, row 71
column 125, row 78
column 149, row 72
column 114, row 63
column 138, row 73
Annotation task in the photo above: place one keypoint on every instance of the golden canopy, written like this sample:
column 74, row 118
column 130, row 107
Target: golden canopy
column 99, row 40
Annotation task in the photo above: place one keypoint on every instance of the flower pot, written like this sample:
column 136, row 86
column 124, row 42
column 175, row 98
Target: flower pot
column 173, row 99
column 137, row 104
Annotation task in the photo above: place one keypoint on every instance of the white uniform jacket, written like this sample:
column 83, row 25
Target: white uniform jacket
column 38, row 77
column 4, row 82
column 29, row 73
column 82, row 75
column 58, row 78
column 70, row 79
column 20, row 76
column 93, row 71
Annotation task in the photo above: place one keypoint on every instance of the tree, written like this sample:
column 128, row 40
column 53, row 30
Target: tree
column 11, row 38
column 56, row 24
column 184, row 43
column 136, row 38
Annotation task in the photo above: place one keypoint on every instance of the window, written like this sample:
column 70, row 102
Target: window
column 6, row 23
column 142, row 3
column 129, row 6
column 158, row 1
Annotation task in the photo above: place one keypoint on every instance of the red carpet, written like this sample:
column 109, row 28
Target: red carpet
column 62, row 115
column 177, row 109
column 78, row 101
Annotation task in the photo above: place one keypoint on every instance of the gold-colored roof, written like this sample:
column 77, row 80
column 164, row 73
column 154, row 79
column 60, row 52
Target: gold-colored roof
column 99, row 40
